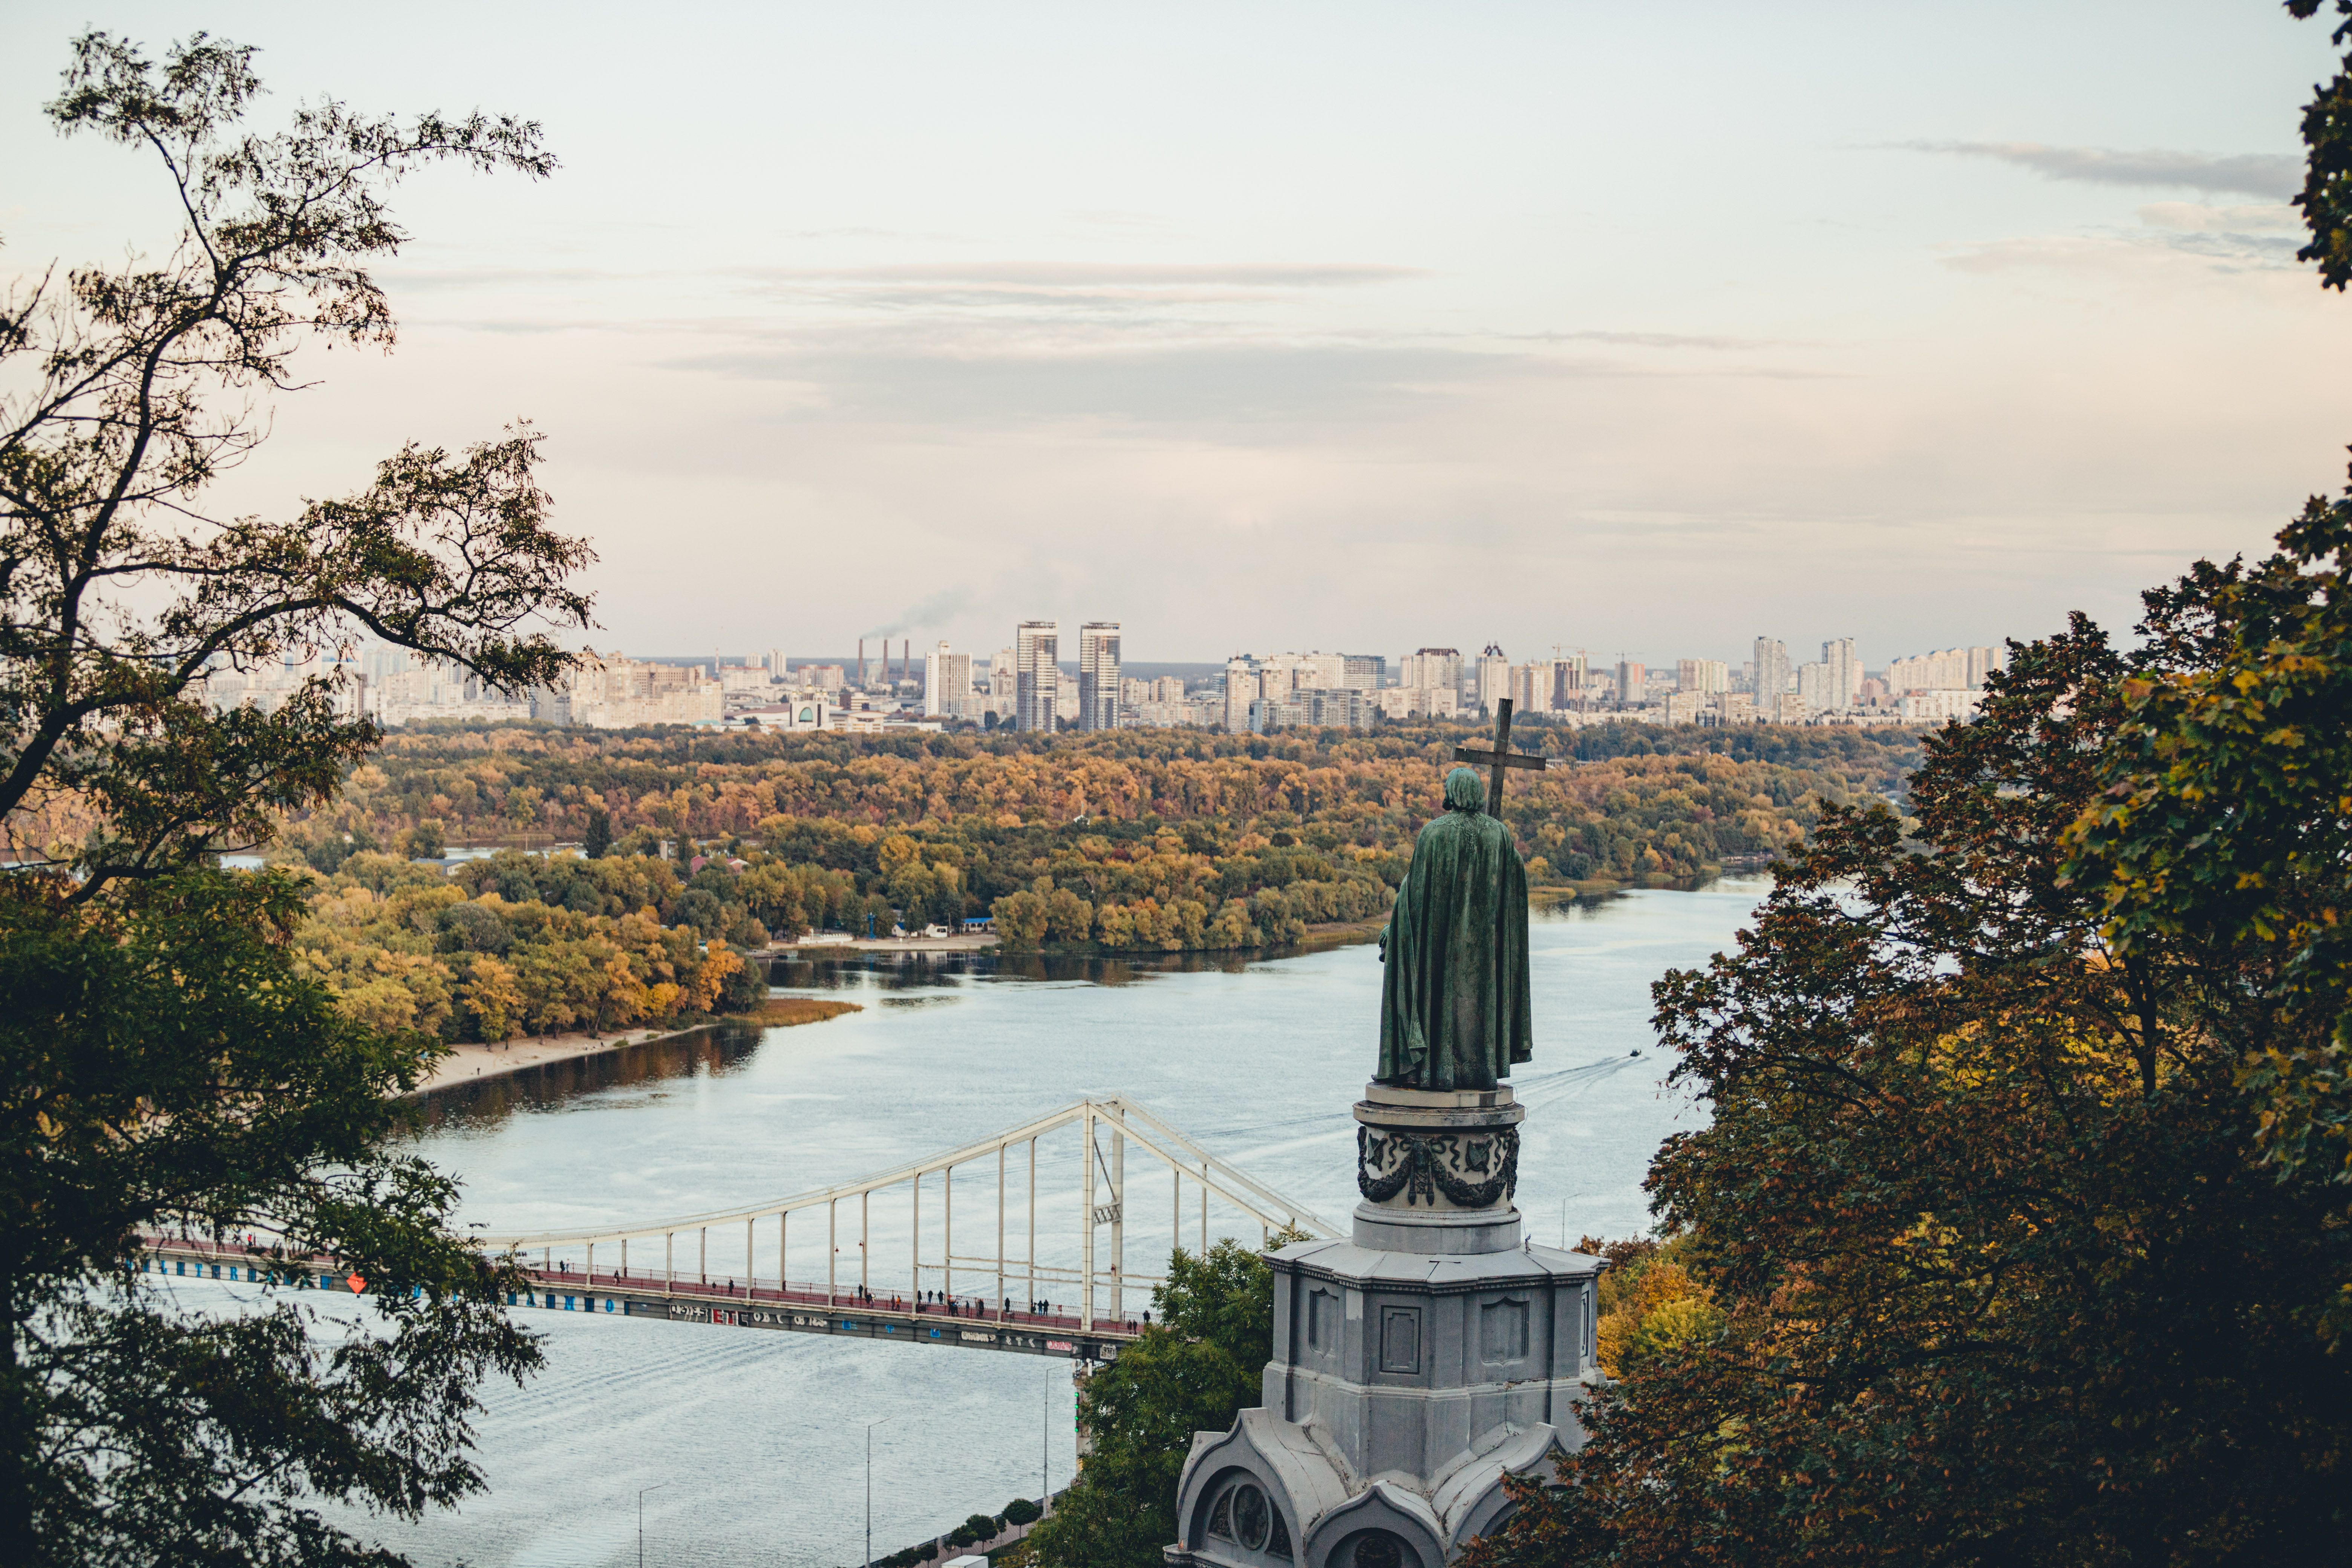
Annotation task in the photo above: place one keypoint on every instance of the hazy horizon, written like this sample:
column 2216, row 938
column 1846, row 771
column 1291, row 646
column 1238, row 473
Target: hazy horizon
column 1364, row 327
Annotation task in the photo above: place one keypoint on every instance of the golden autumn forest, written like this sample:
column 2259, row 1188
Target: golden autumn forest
column 1138, row 840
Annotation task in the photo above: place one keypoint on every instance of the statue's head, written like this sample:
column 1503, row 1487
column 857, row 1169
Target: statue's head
column 1464, row 791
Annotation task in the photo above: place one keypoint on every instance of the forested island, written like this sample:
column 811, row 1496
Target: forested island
column 1136, row 840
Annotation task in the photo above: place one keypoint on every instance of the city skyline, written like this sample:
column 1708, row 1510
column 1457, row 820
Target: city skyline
column 2019, row 322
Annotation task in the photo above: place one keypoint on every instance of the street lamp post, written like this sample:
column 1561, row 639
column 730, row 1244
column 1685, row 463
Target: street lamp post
column 869, row 1491
column 641, row 1518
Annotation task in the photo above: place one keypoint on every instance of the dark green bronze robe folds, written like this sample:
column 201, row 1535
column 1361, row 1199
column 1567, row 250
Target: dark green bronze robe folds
column 1454, row 1001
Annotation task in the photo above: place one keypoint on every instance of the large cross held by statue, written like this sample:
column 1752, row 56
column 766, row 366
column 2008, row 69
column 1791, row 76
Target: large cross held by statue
column 1500, row 758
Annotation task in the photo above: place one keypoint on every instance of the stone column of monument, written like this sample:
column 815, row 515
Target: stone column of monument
column 1437, row 1350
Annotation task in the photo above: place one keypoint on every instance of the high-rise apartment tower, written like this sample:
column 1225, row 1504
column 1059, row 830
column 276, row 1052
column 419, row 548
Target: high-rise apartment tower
column 1843, row 679
column 1098, row 676
column 1037, row 674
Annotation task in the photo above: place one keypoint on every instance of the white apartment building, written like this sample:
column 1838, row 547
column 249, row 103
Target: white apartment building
column 947, row 683
column 1843, row 680
column 1532, row 687
column 1947, row 669
column 1708, row 677
column 1494, row 677
column 1432, row 670
column 1240, row 690
column 1771, row 664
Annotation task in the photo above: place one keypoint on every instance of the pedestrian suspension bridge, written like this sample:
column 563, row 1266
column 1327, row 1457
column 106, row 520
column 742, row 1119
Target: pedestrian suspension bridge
column 987, row 1233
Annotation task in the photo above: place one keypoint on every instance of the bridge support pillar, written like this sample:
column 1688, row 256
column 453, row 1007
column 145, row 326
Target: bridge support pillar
column 1087, row 1251
column 1118, row 1224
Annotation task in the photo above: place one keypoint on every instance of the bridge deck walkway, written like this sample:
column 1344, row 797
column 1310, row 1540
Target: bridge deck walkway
column 804, row 1309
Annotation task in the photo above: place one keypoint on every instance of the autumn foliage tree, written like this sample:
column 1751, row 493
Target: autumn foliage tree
column 2000, row 1272
column 164, row 1062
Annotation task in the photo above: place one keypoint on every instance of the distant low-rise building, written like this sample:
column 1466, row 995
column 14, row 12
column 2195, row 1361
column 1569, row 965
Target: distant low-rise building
column 789, row 711
column 1941, row 706
column 269, row 687
column 606, row 691
column 1403, row 702
column 1686, row 707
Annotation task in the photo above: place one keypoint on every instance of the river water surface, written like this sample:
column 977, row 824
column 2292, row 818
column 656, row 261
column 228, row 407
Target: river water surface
column 755, row 1443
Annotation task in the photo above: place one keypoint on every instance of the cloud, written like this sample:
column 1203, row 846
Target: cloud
column 1228, row 387
column 2230, row 239
column 421, row 278
column 1100, row 274
column 1062, row 295
column 2244, row 174
column 1651, row 340
column 2196, row 218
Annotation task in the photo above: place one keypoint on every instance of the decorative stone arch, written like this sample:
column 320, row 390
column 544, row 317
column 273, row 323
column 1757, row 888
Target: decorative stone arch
column 1381, row 1527
column 1487, row 1511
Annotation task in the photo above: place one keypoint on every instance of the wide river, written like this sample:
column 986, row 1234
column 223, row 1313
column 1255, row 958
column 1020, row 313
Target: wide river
column 755, row 1443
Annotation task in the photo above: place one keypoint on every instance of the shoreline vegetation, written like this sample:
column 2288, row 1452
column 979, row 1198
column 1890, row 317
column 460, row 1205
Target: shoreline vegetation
column 675, row 858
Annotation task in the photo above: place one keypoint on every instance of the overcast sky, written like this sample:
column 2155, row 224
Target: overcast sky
column 1263, row 327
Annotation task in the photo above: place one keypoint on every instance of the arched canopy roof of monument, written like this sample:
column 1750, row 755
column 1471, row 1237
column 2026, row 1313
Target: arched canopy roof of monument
column 1383, row 1505
column 1282, row 1455
column 1470, row 1497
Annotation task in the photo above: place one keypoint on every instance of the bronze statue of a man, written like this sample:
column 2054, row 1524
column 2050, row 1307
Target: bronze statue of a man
column 1454, row 1001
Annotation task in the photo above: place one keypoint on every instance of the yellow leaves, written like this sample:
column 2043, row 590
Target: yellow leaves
column 1659, row 1308
column 711, row 976
column 492, row 999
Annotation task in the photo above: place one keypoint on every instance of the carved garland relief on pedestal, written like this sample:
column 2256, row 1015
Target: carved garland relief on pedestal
column 1474, row 1170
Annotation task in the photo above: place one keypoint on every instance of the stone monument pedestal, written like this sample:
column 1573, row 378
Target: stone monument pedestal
column 1415, row 1366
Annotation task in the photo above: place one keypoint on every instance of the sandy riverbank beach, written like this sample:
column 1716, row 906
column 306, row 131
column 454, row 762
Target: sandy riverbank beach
column 465, row 1064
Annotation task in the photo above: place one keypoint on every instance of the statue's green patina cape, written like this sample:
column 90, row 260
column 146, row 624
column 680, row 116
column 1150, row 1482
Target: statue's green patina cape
column 1453, row 1002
